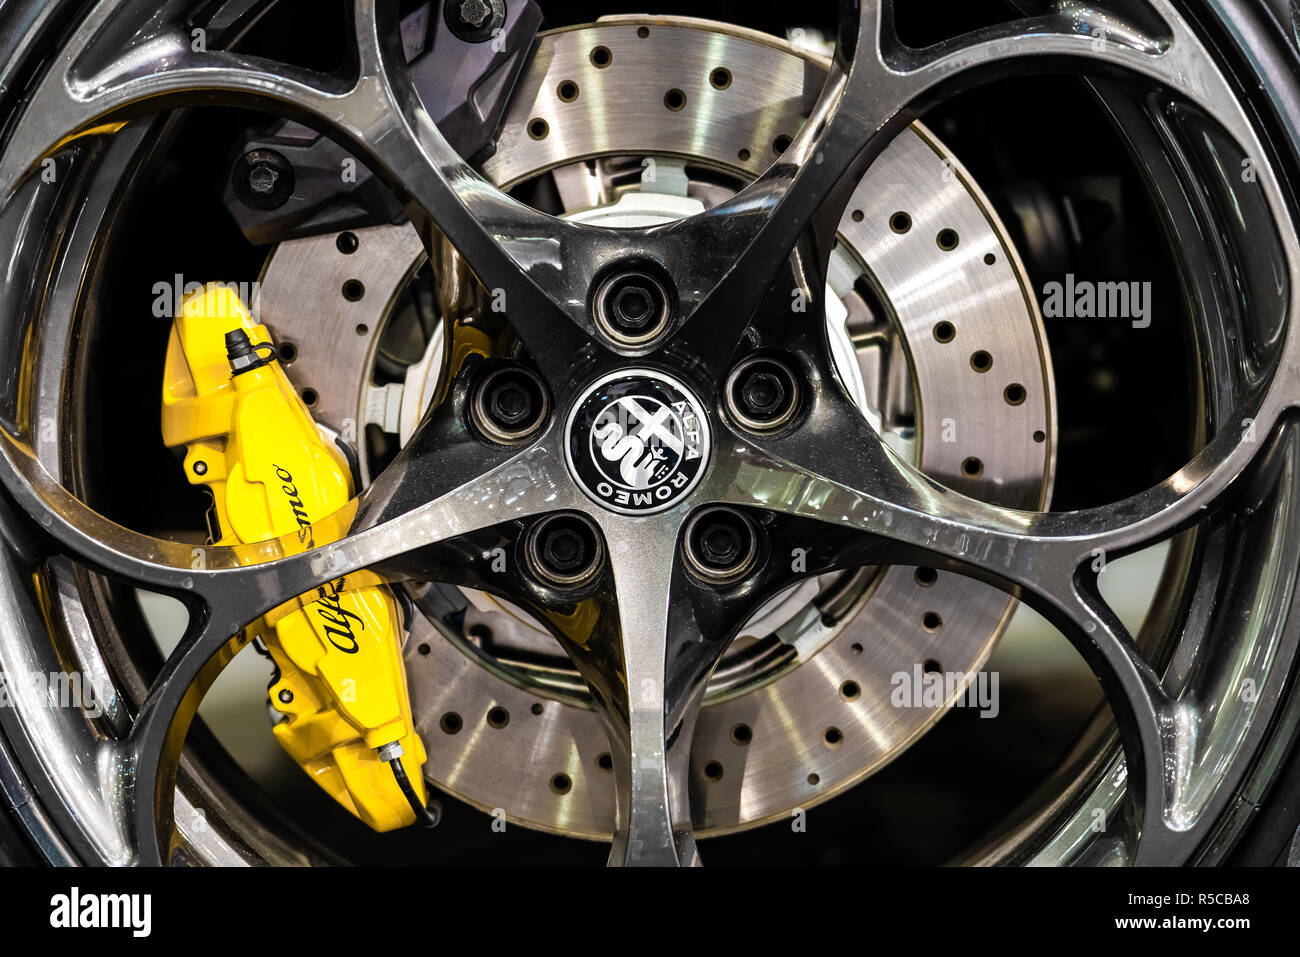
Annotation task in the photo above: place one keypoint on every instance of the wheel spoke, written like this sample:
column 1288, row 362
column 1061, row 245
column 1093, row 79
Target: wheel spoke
column 866, row 486
column 239, row 582
column 647, row 674
column 536, row 268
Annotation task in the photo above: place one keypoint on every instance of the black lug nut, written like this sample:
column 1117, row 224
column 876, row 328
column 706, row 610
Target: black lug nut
column 721, row 545
column 509, row 404
column 632, row 307
column 564, row 550
column 762, row 393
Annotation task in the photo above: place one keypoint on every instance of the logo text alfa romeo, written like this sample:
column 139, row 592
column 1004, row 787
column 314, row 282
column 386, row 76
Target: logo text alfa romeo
column 638, row 441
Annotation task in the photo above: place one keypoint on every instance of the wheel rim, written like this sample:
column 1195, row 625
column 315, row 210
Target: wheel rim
column 901, row 519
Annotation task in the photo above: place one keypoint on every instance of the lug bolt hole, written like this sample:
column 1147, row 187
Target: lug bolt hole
column 721, row 545
column 632, row 307
column 510, row 404
column 762, row 393
column 565, row 550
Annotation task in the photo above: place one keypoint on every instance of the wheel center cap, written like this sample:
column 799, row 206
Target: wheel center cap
column 637, row 441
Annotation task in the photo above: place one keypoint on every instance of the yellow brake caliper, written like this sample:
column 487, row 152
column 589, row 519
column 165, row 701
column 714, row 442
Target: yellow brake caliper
column 339, row 682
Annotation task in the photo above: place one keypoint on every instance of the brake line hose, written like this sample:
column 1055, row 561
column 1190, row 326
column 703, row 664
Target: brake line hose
column 426, row 816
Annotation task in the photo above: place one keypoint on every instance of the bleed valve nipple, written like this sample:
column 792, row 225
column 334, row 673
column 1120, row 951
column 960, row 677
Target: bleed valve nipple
column 243, row 355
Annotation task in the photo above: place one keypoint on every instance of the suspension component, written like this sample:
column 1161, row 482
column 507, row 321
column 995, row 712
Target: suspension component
column 339, row 682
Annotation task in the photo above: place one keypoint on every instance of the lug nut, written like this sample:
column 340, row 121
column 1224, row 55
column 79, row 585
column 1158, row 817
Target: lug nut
column 721, row 545
column 762, row 393
column 510, row 404
column 565, row 550
column 632, row 307
column 263, row 179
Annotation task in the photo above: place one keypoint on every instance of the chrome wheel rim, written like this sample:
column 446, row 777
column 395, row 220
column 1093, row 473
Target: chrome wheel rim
column 1175, row 803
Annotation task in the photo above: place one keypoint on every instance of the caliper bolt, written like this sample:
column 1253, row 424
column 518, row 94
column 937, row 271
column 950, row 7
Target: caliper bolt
column 721, row 545
column 474, row 20
column 762, row 393
column 510, row 403
column 632, row 307
column 564, row 550
column 263, row 179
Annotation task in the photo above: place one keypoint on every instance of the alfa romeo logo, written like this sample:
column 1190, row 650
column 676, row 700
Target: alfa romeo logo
column 637, row 442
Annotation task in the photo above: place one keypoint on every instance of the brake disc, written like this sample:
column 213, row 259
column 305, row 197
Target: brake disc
column 937, row 325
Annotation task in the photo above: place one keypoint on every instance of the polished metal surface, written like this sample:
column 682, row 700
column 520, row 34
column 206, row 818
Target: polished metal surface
column 1188, row 732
